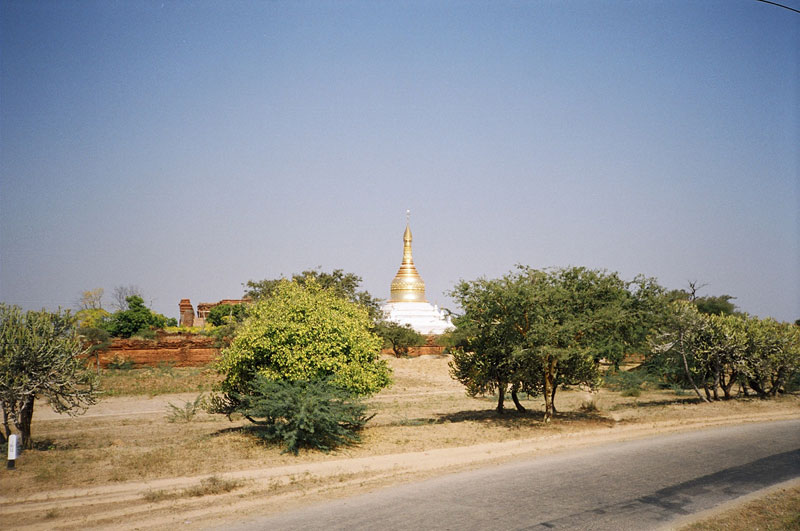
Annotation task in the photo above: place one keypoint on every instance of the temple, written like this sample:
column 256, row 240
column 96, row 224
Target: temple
column 407, row 304
column 190, row 319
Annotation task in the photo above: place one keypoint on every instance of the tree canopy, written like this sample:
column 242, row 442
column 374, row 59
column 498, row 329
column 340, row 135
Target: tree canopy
column 534, row 330
column 708, row 304
column 305, row 332
column 713, row 352
column 41, row 356
column 400, row 338
column 344, row 285
column 223, row 314
column 135, row 319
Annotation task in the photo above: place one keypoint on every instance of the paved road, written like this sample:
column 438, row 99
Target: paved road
column 642, row 484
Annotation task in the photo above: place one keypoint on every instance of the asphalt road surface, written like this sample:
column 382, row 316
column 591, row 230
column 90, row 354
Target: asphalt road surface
column 644, row 484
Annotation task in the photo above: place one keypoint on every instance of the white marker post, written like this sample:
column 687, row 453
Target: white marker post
column 12, row 451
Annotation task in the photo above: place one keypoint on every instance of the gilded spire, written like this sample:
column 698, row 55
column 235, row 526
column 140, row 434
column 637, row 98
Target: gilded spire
column 407, row 285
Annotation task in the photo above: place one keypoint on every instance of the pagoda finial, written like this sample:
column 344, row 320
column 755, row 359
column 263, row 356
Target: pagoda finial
column 407, row 285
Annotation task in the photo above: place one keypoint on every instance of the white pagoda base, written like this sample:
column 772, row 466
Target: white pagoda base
column 423, row 317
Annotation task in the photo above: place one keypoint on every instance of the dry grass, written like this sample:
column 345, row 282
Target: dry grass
column 777, row 511
column 153, row 381
column 423, row 410
column 210, row 486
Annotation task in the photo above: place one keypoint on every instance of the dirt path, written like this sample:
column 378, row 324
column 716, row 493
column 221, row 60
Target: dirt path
column 120, row 406
column 165, row 503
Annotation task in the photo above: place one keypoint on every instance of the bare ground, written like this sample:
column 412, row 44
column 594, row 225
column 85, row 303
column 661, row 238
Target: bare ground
column 123, row 465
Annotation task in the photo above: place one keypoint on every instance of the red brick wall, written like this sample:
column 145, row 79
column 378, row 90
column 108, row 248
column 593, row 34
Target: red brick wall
column 189, row 350
column 182, row 350
column 430, row 348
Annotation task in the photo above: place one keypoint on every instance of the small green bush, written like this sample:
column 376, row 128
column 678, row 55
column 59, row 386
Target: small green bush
column 187, row 412
column 120, row 363
column 183, row 329
column 166, row 367
column 628, row 383
column 678, row 389
column 400, row 338
column 302, row 414
column 793, row 383
column 145, row 333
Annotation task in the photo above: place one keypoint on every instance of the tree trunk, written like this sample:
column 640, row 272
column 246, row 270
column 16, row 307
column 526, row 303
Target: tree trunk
column 707, row 391
column 515, row 398
column 553, row 397
column 756, row 386
column 688, row 372
column 722, row 384
column 24, row 423
column 501, row 396
column 778, row 383
column 727, row 386
column 6, row 427
column 716, row 377
column 549, row 382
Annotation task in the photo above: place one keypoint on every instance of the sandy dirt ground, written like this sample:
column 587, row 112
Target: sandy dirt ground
column 413, row 408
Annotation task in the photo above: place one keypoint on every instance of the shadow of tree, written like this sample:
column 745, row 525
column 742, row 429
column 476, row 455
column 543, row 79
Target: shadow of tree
column 514, row 418
column 44, row 445
column 232, row 429
column 657, row 403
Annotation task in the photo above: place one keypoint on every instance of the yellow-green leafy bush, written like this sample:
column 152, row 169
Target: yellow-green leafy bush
column 305, row 333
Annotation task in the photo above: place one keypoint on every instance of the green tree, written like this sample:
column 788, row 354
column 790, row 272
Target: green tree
column 304, row 333
column 41, row 356
column 772, row 355
column 120, row 294
column 486, row 336
column 223, row 314
column 96, row 340
column 709, row 304
column 576, row 317
column 90, row 312
column 716, row 305
column 717, row 351
column 343, row 284
column 535, row 331
column 92, row 317
column 672, row 352
column 400, row 338
column 136, row 319
column 722, row 350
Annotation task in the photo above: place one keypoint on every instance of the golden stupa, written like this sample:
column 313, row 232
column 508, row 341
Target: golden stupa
column 407, row 285
column 407, row 304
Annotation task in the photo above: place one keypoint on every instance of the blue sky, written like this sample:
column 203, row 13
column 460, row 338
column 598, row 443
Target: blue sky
column 187, row 147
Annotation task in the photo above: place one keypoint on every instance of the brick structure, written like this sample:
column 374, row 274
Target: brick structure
column 180, row 350
column 189, row 318
column 186, row 312
column 430, row 348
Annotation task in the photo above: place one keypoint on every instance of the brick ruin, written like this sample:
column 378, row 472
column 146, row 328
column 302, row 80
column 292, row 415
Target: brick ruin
column 180, row 350
column 189, row 318
column 194, row 350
